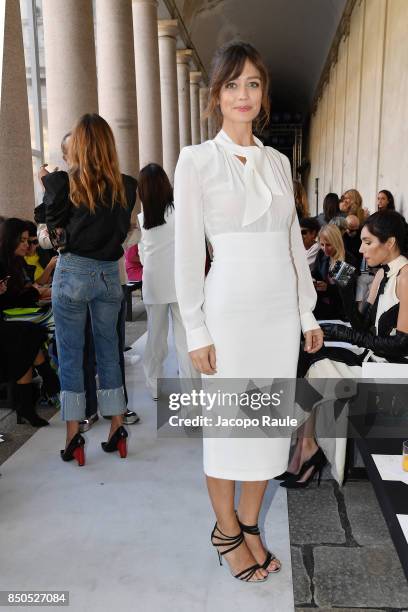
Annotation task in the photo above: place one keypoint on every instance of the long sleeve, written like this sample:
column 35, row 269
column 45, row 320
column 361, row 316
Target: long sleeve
column 306, row 292
column 190, row 250
column 56, row 199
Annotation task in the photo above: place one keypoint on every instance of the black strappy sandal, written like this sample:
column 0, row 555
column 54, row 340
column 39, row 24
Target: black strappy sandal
column 232, row 542
column 254, row 530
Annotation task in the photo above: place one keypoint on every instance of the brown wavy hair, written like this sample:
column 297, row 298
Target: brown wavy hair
column 94, row 175
column 227, row 65
column 301, row 201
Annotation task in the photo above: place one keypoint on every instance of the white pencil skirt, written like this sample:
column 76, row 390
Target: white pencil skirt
column 251, row 311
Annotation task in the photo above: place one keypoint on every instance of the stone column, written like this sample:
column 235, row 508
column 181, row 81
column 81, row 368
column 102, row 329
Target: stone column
column 195, row 78
column 70, row 65
column 203, row 105
column 169, row 96
column 16, row 168
column 116, row 78
column 212, row 130
column 183, row 84
column 147, row 81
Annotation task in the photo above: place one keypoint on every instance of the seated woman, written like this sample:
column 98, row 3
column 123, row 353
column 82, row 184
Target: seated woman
column 20, row 292
column 331, row 209
column 329, row 305
column 385, row 200
column 40, row 263
column 380, row 331
column 20, row 352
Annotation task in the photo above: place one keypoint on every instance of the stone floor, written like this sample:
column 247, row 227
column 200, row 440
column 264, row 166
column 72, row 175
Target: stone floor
column 341, row 552
column 342, row 555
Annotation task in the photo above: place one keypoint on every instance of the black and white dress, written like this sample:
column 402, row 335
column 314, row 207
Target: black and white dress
column 346, row 361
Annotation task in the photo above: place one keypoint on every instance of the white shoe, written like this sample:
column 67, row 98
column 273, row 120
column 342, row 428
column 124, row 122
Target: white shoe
column 132, row 359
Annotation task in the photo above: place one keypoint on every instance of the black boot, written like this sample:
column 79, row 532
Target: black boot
column 51, row 383
column 25, row 406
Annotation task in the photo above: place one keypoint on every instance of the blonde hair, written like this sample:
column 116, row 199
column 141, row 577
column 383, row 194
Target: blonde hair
column 300, row 195
column 356, row 207
column 94, row 173
column 333, row 235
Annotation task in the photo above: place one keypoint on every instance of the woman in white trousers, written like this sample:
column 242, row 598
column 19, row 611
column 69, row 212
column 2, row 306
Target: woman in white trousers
column 156, row 251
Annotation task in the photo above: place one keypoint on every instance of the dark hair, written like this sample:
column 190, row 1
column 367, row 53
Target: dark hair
column 389, row 224
column 10, row 234
column 156, row 194
column 331, row 206
column 390, row 198
column 310, row 223
column 31, row 228
column 227, row 64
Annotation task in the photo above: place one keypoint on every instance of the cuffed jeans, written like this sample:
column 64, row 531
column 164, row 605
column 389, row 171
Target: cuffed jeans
column 81, row 283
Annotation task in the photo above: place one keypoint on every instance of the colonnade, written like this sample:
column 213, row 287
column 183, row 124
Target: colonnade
column 130, row 68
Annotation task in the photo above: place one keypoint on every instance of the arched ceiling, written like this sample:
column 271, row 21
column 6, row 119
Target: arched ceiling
column 294, row 37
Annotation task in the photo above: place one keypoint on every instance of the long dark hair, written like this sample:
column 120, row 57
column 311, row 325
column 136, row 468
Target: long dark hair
column 156, row 194
column 390, row 198
column 331, row 206
column 10, row 235
column 389, row 224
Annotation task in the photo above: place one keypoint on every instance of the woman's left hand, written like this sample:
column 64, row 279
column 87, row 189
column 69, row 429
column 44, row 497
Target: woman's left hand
column 313, row 340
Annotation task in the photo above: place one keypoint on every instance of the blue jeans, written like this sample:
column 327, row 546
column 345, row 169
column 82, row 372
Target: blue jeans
column 81, row 283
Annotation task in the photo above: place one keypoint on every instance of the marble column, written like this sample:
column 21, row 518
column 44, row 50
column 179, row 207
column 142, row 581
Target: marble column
column 147, row 81
column 203, row 105
column 16, row 168
column 169, row 95
column 116, row 78
column 183, row 85
column 195, row 78
column 70, row 62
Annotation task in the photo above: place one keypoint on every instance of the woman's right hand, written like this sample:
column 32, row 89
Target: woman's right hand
column 204, row 359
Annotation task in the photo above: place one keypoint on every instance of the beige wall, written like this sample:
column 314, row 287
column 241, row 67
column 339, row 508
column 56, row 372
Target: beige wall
column 360, row 140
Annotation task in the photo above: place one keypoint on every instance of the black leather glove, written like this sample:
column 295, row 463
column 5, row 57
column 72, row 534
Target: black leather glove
column 359, row 320
column 388, row 346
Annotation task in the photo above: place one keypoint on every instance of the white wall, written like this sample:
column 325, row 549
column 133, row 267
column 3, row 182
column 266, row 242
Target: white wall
column 360, row 140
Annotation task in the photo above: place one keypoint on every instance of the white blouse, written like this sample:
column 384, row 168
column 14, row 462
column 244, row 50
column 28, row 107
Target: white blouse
column 215, row 193
column 156, row 252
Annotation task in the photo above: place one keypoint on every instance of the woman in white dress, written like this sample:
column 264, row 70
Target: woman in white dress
column 156, row 252
column 244, row 320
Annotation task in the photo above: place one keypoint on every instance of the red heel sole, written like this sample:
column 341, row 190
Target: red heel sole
column 79, row 455
column 122, row 448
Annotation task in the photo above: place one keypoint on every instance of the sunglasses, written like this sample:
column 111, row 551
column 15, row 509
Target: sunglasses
column 304, row 232
column 33, row 241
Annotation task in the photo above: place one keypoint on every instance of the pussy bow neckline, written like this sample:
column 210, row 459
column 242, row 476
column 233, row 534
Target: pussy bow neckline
column 261, row 179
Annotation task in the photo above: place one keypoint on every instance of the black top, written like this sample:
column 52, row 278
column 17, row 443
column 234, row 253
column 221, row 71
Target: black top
column 329, row 304
column 352, row 244
column 97, row 235
column 20, row 292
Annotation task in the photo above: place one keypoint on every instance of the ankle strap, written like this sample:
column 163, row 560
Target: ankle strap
column 232, row 542
column 251, row 529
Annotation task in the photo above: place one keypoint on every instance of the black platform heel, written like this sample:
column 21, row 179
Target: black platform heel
column 75, row 450
column 254, row 530
column 232, row 542
column 117, row 442
column 317, row 462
